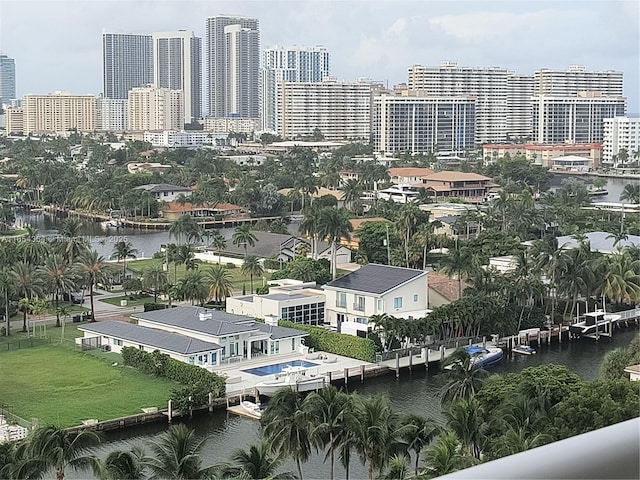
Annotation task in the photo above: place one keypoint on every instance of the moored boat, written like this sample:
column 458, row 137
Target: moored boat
column 592, row 322
column 483, row 357
column 524, row 350
column 296, row 378
column 251, row 408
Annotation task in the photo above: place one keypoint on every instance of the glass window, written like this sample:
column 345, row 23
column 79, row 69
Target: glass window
column 341, row 299
column 293, row 344
column 415, row 297
column 380, row 305
column 397, row 302
column 117, row 341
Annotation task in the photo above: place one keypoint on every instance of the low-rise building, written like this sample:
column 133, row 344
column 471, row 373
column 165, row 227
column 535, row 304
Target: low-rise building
column 165, row 191
column 543, row 154
column 223, row 210
column 293, row 300
column 374, row 289
column 195, row 335
column 466, row 185
column 408, row 175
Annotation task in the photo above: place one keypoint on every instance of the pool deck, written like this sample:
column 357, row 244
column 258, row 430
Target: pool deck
column 334, row 367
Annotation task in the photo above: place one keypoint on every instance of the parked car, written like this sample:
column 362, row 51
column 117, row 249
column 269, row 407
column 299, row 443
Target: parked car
column 73, row 297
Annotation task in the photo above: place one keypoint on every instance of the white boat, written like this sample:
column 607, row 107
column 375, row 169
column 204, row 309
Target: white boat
column 251, row 408
column 295, row 378
column 592, row 321
column 481, row 357
column 524, row 350
column 399, row 193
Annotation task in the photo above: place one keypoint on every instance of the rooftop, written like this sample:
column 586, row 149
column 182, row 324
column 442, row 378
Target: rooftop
column 163, row 187
column 152, row 337
column 603, row 242
column 375, row 278
column 455, row 176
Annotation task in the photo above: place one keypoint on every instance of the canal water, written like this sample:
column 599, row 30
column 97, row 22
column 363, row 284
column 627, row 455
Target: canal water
column 411, row 393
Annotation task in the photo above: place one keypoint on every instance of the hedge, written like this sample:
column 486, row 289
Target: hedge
column 332, row 342
column 196, row 382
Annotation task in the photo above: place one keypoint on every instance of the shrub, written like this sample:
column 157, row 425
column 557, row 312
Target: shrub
column 230, row 266
column 332, row 342
column 196, row 382
column 262, row 290
column 150, row 307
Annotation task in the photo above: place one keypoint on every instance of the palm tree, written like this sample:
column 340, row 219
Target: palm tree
column 55, row 448
column 445, row 456
column 243, row 235
column 94, row 269
column 193, row 286
column 463, row 380
column 220, row 285
column 252, row 267
column 29, row 283
column 459, row 262
column 334, row 224
column 287, row 427
column 155, row 278
column 121, row 251
column 177, row 455
column 621, row 278
column 309, row 227
column 352, row 189
column 185, row 228
column 420, row 433
column 377, row 434
column 7, row 287
column 72, row 244
column 398, row 467
column 218, row 242
column 519, row 440
column 631, row 193
column 328, row 409
column 406, row 224
column 125, row 464
column 58, row 277
column 466, row 418
column 257, row 463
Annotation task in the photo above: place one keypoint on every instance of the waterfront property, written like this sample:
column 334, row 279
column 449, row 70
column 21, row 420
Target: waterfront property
column 195, row 335
column 374, row 289
column 448, row 184
column 293, row 300
column 165, row 191
column 602, row 242
column 222, row 210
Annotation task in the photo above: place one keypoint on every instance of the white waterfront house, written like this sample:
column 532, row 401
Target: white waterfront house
column 165, row 191
column 195, row 335
column 374, row 289
column 293, row 300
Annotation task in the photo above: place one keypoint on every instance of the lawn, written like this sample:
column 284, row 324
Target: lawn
column 237, row 278
column 61, row 386
column 131, row 303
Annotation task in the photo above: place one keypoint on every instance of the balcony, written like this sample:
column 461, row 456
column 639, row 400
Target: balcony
column 358, row 307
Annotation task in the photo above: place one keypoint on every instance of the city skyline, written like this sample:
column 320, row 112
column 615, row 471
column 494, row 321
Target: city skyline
column 379, row 40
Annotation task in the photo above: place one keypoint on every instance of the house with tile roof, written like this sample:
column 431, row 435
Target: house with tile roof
column 221, row 210
column 196, row 335
column 447, row 184
column 373, row 289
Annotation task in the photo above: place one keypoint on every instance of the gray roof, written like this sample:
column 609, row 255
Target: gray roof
column 152, row 337
column 163, row 187
column 188, row 317
column 374, row 278
column 277, row 332
column 272, row 244
column 600, row 242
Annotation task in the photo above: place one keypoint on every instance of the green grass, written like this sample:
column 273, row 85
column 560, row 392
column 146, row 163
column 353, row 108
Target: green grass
column 130, row 303
column 62, row 386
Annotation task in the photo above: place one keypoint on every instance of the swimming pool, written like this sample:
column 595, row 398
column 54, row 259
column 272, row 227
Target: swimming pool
column 277, row 367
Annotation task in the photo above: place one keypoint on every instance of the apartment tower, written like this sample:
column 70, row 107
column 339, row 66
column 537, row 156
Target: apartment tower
column 288, row 64
column 177, row 65
column 151, row 108
column 127, row 63
column 7, row 79
column 58, row 112
column 233, row 66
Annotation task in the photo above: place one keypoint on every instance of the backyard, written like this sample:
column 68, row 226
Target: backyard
column 58, row 384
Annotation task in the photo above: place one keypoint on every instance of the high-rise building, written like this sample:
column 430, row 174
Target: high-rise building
column 339, row 110
column 233, row 66
column 127, row 63
column 177, row 65
column 152, row 108
column 621, row 134
column 519, row 111
column 111, row 114
column 7, row 79
column 58, row 112
column 288, row 64
column 410, row 121
column 573, row 119
column 488, row 85
column 576, row 79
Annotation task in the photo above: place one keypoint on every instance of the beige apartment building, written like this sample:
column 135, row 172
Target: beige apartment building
column 543, row 154
column 340, row 110
column 150, row 108
column 53, row 113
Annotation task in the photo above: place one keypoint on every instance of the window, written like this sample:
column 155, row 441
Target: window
column 214, row 357
column 397, row 302
column 380, row 305
column 293, row 344
column 362, row 320
column 415, row 297
column 141, row 347
column 117, row 341
column 341, row 300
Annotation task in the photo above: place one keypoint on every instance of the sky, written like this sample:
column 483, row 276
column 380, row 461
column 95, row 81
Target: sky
column 57, row 45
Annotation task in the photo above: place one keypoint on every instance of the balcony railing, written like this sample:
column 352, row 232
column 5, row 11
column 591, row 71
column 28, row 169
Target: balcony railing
column 358, row 307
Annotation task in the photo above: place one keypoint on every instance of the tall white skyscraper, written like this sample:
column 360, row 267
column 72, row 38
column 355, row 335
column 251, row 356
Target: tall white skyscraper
column 233, row 66
column 288, row 64
column 621, row 133
column 7, row 79
column 488, row 85
column 577, row 79
column 127, row 63
column 177, row 65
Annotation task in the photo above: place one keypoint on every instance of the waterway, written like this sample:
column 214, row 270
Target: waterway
column 411, row 393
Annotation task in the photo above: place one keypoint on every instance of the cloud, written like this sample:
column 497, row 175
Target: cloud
column 374, row 49
column 473, row 27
